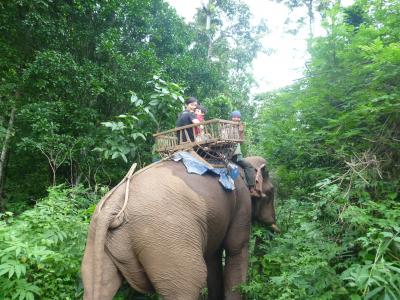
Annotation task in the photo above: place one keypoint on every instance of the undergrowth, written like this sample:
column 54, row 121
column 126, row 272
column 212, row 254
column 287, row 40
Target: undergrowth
column 335, row 245
column 41, row 250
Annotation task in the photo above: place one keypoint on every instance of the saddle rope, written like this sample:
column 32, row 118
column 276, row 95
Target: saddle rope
column 127, row 178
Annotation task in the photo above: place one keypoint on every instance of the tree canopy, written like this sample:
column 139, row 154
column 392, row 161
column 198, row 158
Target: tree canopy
column 67, row 67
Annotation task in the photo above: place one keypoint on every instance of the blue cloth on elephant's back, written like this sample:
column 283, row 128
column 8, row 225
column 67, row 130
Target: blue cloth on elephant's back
column 196, row 166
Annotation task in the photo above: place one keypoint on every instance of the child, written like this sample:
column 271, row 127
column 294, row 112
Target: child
column 199, row 112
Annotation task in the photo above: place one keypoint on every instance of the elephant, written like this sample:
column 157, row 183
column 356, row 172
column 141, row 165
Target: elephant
column 171, row 238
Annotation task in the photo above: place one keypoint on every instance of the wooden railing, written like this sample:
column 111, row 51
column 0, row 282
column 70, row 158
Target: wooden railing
column 218, row 135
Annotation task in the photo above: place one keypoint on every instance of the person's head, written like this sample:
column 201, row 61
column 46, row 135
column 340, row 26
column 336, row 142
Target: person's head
column 191, row 104
column 200, row 110
column 236, row 116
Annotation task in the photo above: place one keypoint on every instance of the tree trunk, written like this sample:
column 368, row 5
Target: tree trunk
column 208, row 11
column 310, row 7
column 3, row 156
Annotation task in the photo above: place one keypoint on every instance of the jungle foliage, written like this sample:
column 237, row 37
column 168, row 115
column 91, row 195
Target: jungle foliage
column 41, row 249
column 85, row 84
column 332, row 140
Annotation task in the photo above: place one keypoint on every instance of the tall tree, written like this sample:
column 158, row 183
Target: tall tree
column 230, row 42
column 312, row 7
column 4, row 155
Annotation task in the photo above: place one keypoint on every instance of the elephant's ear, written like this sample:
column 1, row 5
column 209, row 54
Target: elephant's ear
column 260, row 178
column 267, row 186
column 264, row 171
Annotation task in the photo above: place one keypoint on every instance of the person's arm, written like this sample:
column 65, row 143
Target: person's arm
column 193, row 118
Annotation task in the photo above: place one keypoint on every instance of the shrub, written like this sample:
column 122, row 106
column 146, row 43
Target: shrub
column 41, row 250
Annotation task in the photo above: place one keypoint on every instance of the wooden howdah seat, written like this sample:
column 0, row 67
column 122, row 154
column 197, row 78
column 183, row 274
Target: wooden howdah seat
column 216, row 142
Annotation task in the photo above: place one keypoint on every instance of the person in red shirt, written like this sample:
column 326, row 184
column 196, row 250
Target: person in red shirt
column 199, row 112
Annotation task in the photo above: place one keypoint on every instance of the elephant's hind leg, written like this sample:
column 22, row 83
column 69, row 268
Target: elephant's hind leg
column 176, row 275
column 215, row 280
column 112, row 279
column 131, row 269
column 121, row 251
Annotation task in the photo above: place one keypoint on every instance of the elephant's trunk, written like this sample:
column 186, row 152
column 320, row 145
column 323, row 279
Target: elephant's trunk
column 275, row 228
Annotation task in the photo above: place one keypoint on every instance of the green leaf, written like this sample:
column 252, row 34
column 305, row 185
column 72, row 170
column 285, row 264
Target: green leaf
column 373, row 292
column 134, row 98
column 153, row 102
column 139, row 102
column 4, row 268
column 138, row 134
column 108, row 124
column 29, row 296
column 387, row 234
column 11, row 271
column 22, row 295
column 18, row 271
column 18, row 251
column 393, row 268
column 147, row 110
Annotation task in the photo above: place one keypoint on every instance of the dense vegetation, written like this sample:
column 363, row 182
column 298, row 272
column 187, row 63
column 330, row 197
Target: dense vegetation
column 41, row 249
column 333, row 141
column 84, row 84
column 65, row 67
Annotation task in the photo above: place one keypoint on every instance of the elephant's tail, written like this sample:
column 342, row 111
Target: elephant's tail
column 93, row 272
column 99, row 244
column 103, row 219
column 96, row 260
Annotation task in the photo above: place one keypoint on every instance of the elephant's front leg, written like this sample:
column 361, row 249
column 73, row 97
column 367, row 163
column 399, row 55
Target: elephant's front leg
column 235, row 272
column 215, row 281
column 236, row 249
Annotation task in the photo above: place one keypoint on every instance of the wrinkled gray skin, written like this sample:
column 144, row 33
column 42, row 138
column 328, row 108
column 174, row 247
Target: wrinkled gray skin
column 171, row 241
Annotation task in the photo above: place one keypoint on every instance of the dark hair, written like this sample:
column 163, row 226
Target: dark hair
column 202, row 108
column 190, row 100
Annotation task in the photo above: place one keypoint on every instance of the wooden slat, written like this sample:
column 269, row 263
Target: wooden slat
column 213, row 121
column 219, row 136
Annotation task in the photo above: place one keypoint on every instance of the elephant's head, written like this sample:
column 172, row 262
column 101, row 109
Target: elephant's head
column 263, row 208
